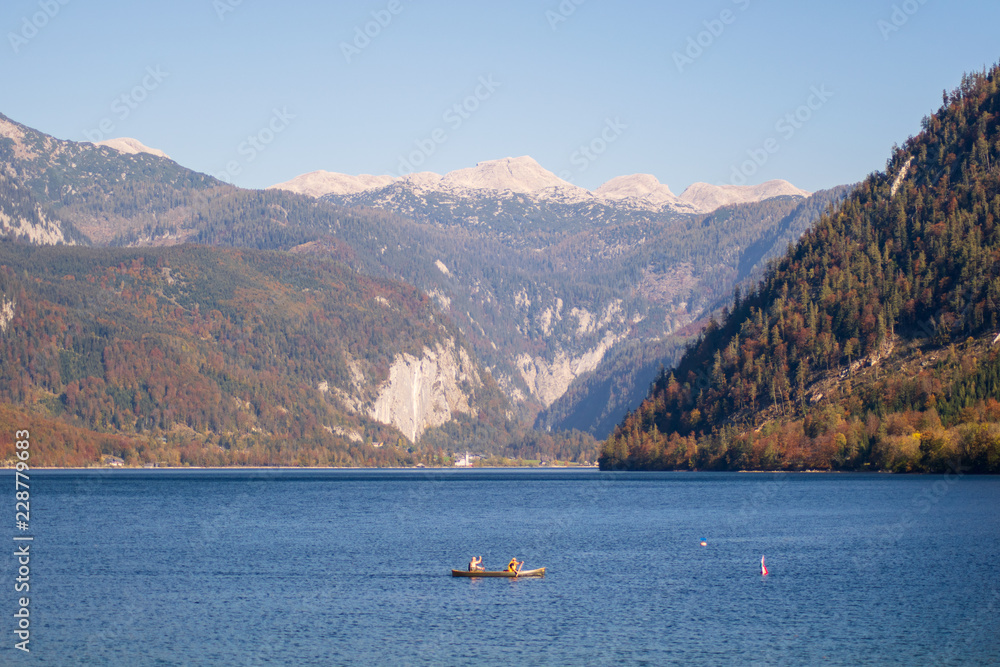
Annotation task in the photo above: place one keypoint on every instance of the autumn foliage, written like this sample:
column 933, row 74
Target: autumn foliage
column 820, row 365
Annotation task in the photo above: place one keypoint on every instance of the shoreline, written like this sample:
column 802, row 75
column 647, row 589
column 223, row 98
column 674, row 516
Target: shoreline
column 78, row 468
column 485, row 468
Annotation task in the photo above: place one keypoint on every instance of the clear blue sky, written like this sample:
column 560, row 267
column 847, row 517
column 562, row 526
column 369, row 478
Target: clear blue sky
column 201, row 76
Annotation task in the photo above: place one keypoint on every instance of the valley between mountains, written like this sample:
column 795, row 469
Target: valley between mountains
column 154, row 314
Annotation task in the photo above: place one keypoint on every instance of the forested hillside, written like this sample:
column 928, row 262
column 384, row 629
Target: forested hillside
column 22, row 217
column 199, row 356
column 872, row 343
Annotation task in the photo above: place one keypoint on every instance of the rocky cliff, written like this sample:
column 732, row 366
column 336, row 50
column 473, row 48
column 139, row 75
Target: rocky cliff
column 425, row 392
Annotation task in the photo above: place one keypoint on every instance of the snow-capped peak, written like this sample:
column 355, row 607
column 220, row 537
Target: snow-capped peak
column 524, row 176
column 517, row 174
column 319, row 183
column 707, row 197
column 637, row 186
column 131, row 146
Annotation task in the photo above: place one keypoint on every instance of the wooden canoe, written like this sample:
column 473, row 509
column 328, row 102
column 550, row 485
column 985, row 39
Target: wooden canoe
column 540, row 572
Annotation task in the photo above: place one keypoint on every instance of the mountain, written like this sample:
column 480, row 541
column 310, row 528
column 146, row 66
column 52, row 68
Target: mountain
column 103, row 193
column 142, row 200
column 644, row 188
column 524, row 176
column 542, row 293
column 319, row 183
column 872, row 344
column 131, row 146
column 521, row 174
column 573, row 275
column 595, row 401
column 706, row 197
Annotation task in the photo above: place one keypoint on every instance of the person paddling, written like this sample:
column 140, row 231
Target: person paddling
column 515, row 566
column 474, row 564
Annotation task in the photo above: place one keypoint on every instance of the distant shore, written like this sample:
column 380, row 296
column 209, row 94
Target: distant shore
column 559, row 467
column 441, row 468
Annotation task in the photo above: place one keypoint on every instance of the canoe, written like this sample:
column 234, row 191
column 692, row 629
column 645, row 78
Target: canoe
column 540, row 572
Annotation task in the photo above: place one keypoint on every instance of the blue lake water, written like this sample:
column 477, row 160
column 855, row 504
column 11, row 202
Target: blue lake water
column 353, row 567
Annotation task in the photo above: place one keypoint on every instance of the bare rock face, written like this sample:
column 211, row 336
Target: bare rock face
column 41, row 231
column 900, row 177
column 22, row 218
column 6, row 313
column 425, row 392
column 548, row 380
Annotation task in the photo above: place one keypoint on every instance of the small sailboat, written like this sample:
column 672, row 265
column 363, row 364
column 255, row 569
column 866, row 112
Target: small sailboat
column 763, row 568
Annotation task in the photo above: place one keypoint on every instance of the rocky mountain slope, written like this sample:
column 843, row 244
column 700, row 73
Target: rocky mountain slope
column 576, row 274
column 595, row 402
column 22, row 217
column 102, row 192
column 540, row 294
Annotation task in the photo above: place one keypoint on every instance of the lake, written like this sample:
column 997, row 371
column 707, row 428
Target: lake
column 352, row 567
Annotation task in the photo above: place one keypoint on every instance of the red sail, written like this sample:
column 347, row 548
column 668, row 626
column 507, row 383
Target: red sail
column 763, row 568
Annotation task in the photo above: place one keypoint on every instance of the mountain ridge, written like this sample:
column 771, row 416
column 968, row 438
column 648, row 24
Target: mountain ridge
column 541, row 292
column 523, row 175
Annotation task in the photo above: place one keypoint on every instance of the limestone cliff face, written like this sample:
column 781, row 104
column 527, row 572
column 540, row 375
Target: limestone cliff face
column 6, row 313
column 43, row 231
column 577, row 342
column 548, row 380
column 425, row 392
